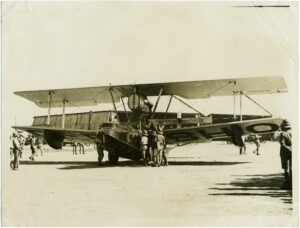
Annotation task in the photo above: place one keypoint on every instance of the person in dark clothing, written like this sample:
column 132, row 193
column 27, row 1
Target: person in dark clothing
column 100, row 141
column 285, row 141
column 152, row 146
column 16, row 151
column 80, row 146
column 257, row 143
column 31, row 143
column 38, row 144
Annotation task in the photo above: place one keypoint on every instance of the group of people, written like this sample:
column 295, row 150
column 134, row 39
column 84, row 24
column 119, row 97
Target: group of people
column 285, row 140
column 80, row 147
column 153, row 145
column 18, row 141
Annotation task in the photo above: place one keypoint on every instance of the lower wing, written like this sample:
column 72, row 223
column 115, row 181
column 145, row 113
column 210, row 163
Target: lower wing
column 56, row 136
column 235, row 130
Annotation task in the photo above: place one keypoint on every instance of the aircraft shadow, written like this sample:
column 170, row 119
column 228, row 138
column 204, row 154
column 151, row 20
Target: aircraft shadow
column 133, row 164
column 255, row 185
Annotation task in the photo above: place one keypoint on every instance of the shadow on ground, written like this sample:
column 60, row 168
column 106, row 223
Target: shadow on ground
column 91, row 164
column 255, row 185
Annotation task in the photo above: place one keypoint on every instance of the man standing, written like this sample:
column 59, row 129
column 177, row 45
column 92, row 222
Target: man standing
column 80, row 145
column 243, row 145
column 39, row 145
column 285, row 141
column 22, row 142
column 16, row 151
column 161, row 142
column 11, row 152
column 152, row 146
column 144, row 146
column 256, row 141
column 31, row 143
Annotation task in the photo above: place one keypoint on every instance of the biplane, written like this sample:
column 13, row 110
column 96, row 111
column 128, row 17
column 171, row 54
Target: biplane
column 121, row 138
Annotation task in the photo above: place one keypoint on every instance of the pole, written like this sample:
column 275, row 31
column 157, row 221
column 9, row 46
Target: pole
column 113, row 101
column 234, row 100
column 49, row 107
column 167, row 109
column 63, row 114
column 241, row 102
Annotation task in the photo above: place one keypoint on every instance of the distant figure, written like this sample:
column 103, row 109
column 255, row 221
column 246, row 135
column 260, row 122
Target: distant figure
column 38, row 144
column 243, row 146
column 16, row 151
column 257, row 144
column 144, row 146
column 22, row 143
column 285, row 141
column 80, row 145
column 31, row 143
column 11, row 152
column 74, row 145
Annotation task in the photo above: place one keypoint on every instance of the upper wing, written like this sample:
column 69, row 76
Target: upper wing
column 233, row 129
column 90, row 96
column 56, row 136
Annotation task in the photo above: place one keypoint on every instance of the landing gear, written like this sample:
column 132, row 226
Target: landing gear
column 100, row 153
column 113, row 158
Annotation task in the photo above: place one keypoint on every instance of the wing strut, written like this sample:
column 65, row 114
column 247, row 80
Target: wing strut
column 258, row 105
column 156, row 103
column 241, row 103
column 234, row 96
column 165, row 116
column 125, row 110
column 188, row 105
column 113, row 101
column 63, row 114
column 49, row 107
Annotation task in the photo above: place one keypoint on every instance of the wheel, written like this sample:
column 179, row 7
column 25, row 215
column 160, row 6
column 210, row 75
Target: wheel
column 113, row 158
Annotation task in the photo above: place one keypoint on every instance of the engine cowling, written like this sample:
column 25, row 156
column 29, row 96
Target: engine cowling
column 138, row 103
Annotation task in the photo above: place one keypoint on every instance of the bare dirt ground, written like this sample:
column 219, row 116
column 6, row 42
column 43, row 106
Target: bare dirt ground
column 204, row 184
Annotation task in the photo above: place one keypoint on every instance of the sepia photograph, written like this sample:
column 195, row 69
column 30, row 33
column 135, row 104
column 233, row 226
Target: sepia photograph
column 149, row 113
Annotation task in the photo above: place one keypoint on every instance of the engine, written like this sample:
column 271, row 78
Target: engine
column 138, row 103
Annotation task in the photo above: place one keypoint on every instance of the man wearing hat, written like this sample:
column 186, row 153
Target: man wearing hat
column 285, row 141
column 31, row 143
column 144, row 146
column 257, row 144
column 152, row 143
column 16, row 151
column 161, row 142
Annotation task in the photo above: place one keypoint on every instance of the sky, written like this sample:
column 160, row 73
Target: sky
column 65, row 44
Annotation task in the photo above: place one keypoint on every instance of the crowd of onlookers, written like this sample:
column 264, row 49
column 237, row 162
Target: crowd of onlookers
column 18, row 141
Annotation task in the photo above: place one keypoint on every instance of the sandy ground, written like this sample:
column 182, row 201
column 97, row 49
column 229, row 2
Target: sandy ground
column 205, row 184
